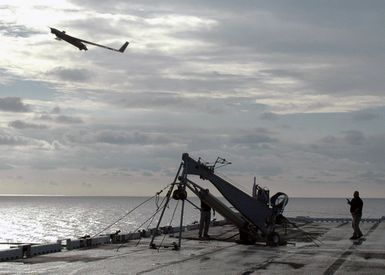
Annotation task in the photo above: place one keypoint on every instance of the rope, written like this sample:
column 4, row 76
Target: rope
column 228, row 238
column 158, row 206
column 150, row 218
column 128, row 213
column 137, row 229
column 312, row 239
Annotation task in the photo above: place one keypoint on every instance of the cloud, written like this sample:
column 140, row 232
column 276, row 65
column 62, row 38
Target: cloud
column 13, row 104
column 328, row 140
column 13, row 30
column 267, row 171
column 376, row 177
column 18, row 124
column 365, row 116
column 260, row 136
column 68, row 119
column 269, row 116
column 355, row 137
column 353, row 145
column 138, row 138
column 4, row 166
column 62, row 119
column 56, row 110
column 13, row 140
column 157, row 99
column 72, row 75
column 87, row 185
column 147, row 174
column 376, row 150
column 209, row 102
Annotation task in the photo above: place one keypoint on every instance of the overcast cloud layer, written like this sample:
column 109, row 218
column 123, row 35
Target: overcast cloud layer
column 289, row 92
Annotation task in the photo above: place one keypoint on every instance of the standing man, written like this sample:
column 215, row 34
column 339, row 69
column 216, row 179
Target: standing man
column 205, row 219
column 356, row 211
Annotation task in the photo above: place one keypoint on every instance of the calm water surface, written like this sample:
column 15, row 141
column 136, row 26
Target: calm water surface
column 42, row 219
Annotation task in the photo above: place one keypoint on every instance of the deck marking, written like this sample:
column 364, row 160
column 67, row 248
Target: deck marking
column 339, row 262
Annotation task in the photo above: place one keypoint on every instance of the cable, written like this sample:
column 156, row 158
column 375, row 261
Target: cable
column 129, row 212
column 228, row 238
column 195, row 206
column 137, row 229
column 158, row 206
column 305, row 233
column 151, row 218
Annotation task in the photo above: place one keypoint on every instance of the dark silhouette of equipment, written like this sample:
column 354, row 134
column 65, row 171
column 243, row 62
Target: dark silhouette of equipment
column 256, row 216
column 79, row 43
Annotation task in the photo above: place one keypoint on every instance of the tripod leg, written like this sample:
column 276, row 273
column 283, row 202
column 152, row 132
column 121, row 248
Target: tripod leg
column 166, row 204
column 161, row 215
column 181, row 225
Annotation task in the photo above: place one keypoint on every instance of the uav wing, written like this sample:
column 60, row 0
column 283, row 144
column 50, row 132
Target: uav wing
column 122, row 48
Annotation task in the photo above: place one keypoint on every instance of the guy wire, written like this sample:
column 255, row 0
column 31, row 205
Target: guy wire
column 129, row 212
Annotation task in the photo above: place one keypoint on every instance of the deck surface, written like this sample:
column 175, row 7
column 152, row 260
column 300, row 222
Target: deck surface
column 325, row 249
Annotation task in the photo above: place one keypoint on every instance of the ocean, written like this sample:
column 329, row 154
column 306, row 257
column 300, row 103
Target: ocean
column 36, row 219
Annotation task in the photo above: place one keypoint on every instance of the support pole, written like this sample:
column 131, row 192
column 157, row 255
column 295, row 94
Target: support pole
column 181, row 225
column 166, row 204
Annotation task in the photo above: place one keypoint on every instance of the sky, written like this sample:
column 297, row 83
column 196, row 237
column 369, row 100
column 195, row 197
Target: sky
column 291, row 92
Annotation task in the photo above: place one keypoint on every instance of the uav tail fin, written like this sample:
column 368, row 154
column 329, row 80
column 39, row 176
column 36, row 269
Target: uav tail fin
column 123, row 48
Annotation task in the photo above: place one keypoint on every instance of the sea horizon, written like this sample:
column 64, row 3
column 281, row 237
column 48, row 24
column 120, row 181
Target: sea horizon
column 148, row 196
